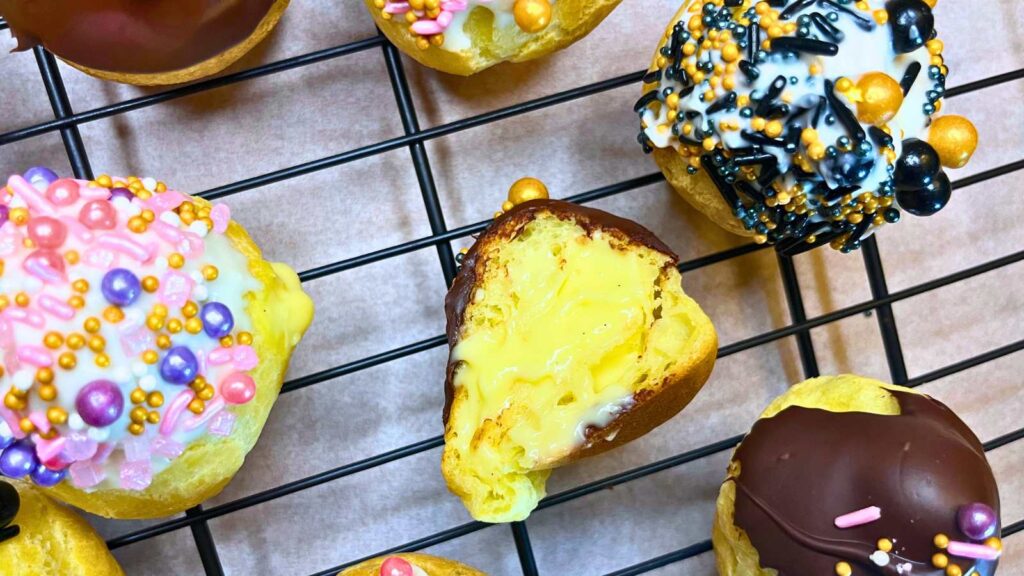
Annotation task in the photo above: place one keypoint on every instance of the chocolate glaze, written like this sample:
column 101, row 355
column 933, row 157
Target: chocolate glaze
column 134, row 36
column 10, row 502
column 508, row 226
column 802, row 468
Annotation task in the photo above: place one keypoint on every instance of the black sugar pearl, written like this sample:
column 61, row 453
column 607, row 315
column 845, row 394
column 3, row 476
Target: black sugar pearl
column 891, row 215
column 928, row 109
column 928, row 200
column 917, row 166
column 911, row 22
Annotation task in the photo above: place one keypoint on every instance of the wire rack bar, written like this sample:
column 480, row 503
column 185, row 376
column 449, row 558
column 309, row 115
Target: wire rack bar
column 205, row 544
column 886, row 319
column 795, row 301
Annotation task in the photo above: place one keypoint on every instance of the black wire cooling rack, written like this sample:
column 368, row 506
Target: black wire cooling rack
column 66, row 121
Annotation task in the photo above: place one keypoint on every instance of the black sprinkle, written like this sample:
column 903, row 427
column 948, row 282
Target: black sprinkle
column 794, row 8
column 805, row 46
column 778, row 85
column 727, row 191
column 755, row 159
column 645, row 100
column 834, row 194
column 827, row 28
column 652, row 76
column 768, row 174
column 751, row 71
column 818, row 111
column 751, row 46
column 733, row 3
column 761, row 139
column 725, row 102
column 860, row 229
column 910, row 76
column 880, row 138
column 777, row 3
column 780, row 110
column 845, row 116
column 864, row 23
column 750, row 191
column 800, row 245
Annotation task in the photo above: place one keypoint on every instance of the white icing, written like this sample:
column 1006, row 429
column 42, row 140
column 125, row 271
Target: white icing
column 455, row 37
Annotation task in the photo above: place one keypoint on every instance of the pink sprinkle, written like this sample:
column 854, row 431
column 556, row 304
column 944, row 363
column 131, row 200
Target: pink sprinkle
column 167, row 447
column 222, row 424
column 174, row 411
column 46, row 265
column 397, row 7
column 41, row 421
column 33, row 199
column 47, row 450
column 219, row 356
column 445, row 18
column 10, row 239
column 78, row 230
column 137, row 449
column 975, row 551
column 167, row 232
column 79, row 447
column 13, row 422
column 201, row 359
column 56, row 307
column 859, row 518
column 175, row 289
column 244, row 357
column 103, row 451
column 136, row 475
column 454, row 5
column 122, row 243
column 168, row 200
column 136, row 338
column 101, row 258
column 86, row 474
column 93, row 192
column 25, row 316
column 35, row 355
column 426, row 27
column 213, row 408
column 221, row 216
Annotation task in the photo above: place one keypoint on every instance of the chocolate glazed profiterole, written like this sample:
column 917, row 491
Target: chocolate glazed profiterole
column 125, row 39
column 804, row 471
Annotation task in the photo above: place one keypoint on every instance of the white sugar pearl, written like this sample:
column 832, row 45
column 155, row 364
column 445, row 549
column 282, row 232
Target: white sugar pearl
column 161, row 263
column 75, row 422
column 121, row 374
column 171, row 218
column 198, row 228
column 32, row 285
column 5, row 430
column 149, row 184
column 147, row 383
column 23, row 379
column 880, row 558
column 139, row 369
column 200, row 293
column 197, row 277
column 99, row 434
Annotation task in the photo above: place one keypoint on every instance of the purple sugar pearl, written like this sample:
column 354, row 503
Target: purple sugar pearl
column 18, row 460
column 179, row 366
column 40, row 176
column 217, row 320
column 121, row 287
column 977, row 521
column 122, row 193
column 5, row 214
column 46, row 478
column 100, row 403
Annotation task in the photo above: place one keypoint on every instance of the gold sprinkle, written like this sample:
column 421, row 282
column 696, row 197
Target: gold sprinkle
column 193, row 325
column 138, row 396
column 56, row 415
column 91, row 325
column 67, row 360
column 155, row 399
column 176, row 260
column 97, row 343
column 80, row 285
column 75, row 341
column 113, row 314
column 48, row 392
column 150, row 284
column 53, row 340
column 150, row 356
column 102, row 360
column 136, row 428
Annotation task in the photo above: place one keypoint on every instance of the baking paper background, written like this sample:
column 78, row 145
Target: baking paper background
column 232, row 133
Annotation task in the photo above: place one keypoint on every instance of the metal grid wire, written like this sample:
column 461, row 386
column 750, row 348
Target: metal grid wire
column 66, row 121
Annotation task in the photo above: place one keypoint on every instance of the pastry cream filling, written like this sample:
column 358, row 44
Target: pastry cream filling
column 563, row 329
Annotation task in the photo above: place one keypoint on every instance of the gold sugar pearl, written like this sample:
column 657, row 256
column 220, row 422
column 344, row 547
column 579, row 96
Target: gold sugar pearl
column 137, row 225
column 19, row 216
column 526, row 189
column 163, row 341
column 245, row 338
column 44, row 375
column 197, row 406
column 994, row 543
column 175, row 260
column 148, row 215
column 941, row 541
column 75, row 341
column 190, row 309
column 150, row 356
column 22, row 299
column 53, row 340
column 4, row 301
column 138, row 414
column 102, row 360
column 954, row 138
column 227, row 342
column 198, row 384
column 210, row 272
column 954, row 570
column 940, row 560
column 26, row 426
column 193, row 325
column 12, row 402
column 80, row 285
column 160, row 310
column 138, row 396
column 72, row 256
column 155, row 399
column 76, row 301
column 206, row 393
column 91, row 325
column 174, row 326
column 150, row 284
column 67, row 361
column 136, row 428
column 885, row 545
column 154, row 322
column 56, row 415
column 880, row 98
column 105, row 181
column 153, row 417
column 113, row 314
column 48, row 392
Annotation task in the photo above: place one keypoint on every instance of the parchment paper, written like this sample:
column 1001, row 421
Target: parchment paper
column 220, row 137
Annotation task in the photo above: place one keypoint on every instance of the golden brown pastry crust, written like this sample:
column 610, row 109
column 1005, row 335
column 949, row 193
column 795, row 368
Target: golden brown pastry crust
column 570, row 21
column 432, row 565
column 53, row 540
column 201, row 70
column 280, row 314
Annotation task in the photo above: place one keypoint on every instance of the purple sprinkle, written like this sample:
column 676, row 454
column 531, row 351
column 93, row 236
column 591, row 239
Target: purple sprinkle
column 122, row 193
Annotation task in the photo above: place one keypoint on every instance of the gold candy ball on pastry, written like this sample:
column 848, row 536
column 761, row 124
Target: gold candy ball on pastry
column 526, row 189
column 532, row 15
column 955, row 139
column 881, row 98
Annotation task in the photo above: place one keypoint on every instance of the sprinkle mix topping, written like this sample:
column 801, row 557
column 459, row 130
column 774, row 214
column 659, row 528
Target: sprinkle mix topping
column 811, row 117
column 440, row 22
column 397, row 566
column 122, row 328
